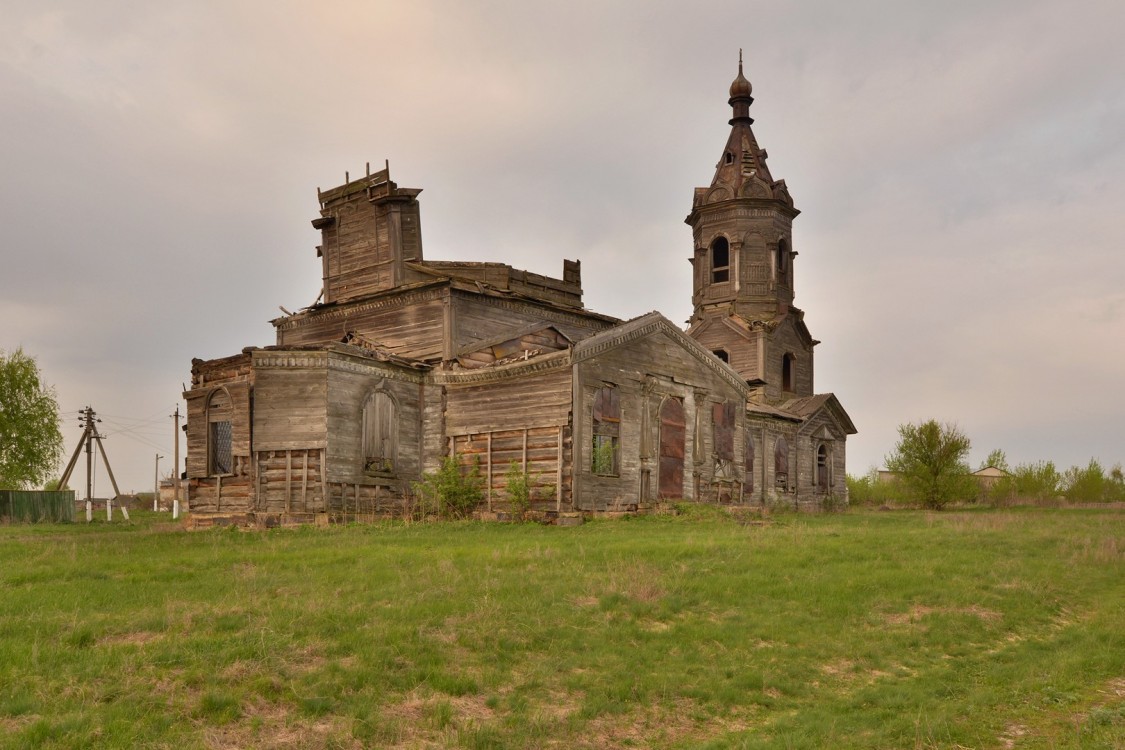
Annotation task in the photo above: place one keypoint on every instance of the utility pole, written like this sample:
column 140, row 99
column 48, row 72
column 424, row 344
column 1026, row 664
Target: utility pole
column 156, row 484
column 88, row 420
column 176, row 467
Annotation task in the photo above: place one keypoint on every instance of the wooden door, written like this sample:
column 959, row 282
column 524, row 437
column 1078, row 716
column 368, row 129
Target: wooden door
column 673, row 429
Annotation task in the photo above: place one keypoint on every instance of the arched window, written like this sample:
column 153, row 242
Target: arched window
column 380, row 434
column 787, row 372
column 219, row 459
column 782, row 257
column 781, row 464
column 607, row 431
column 728, row 158
column 822, row 467
column 720, row 260
column 722, row 354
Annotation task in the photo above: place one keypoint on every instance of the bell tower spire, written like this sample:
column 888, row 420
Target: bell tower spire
column 742, row 264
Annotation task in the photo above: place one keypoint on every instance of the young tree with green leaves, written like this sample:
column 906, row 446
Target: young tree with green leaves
column 30, row 440
column 930, row 461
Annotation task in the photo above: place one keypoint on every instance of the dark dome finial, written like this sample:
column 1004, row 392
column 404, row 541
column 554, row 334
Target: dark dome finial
column 741, row 87
column 740, row 98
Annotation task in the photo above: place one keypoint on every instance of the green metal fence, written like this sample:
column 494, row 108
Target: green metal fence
column 30, row 506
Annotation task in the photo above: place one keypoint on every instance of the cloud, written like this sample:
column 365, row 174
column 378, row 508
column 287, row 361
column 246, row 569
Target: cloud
column 957, row 167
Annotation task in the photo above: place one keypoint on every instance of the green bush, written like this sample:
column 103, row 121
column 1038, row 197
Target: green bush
column 1092, row 484
column 457, row 493
column 519, row 488
column 872, row 490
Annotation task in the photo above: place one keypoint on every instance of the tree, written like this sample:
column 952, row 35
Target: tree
column 30, row 440
column 997, row 460
column 930, row 461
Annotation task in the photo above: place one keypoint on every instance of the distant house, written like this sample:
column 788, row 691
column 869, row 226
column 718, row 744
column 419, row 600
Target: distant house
column 989, row 476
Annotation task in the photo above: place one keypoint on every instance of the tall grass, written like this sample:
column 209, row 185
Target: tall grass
column 860, row 630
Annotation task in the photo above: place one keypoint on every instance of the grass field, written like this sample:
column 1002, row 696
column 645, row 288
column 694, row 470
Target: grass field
column 981, row 629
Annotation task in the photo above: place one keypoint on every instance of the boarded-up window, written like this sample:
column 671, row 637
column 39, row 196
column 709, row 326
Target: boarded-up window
column 748, row 472
column 822, row 467
column 380, row 434
column 782, row 258
column 722, row 421
column 720, row 260
column 219, row 459
column 781, row 463
column 673, row 429
column 607, row 431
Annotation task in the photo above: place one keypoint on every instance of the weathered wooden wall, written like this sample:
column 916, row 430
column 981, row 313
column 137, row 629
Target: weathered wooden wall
column 410, row 324
column 743, row 352
column 350, row 381
column 544, row 453
column 234, row 377
column 370, row 228
column 646, row 371
column 786, row 339
column 516, row 412
column 479, row 318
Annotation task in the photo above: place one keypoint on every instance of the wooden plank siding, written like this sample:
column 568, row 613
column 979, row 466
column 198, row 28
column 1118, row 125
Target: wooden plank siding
column 646, row 371
column 487, row 401
column 230, row 380
column 481, row 318
column 350, row 381
column 409, row 325
column 536, row 450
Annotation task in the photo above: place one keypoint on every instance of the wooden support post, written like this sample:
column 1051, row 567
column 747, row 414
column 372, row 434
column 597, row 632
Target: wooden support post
column 257, row 480
column 525, row 450
column 218, row 493
column 489, row 448
column 305, row 480
column 288, row 480
column 559, row 473
column 324, row 477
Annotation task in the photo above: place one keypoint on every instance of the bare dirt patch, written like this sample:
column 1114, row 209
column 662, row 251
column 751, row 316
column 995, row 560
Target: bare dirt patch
column 138, row 638
column 919, row 612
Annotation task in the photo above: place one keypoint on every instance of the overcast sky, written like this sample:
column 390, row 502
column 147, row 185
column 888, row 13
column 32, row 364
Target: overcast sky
column 958, row 166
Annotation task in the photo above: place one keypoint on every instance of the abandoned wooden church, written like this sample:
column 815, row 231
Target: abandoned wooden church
column 404, row 361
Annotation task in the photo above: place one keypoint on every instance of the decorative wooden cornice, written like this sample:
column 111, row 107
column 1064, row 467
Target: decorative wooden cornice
column 544, row 309
column 431, row 290
column 647, row 325
column 497, row 373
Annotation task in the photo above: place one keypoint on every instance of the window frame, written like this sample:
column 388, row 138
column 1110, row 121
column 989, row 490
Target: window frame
column 720, row 273
column 605, row 421
column 371, row 405
column 218, row 415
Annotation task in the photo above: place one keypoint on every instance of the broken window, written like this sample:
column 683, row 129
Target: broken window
column 781, row 464
column 722, row 354
column 787, row 372
column 219, row 458
column 722, row 423
column 782, row 258
column 607, row 431
column 380, row 434
column 720, row 260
